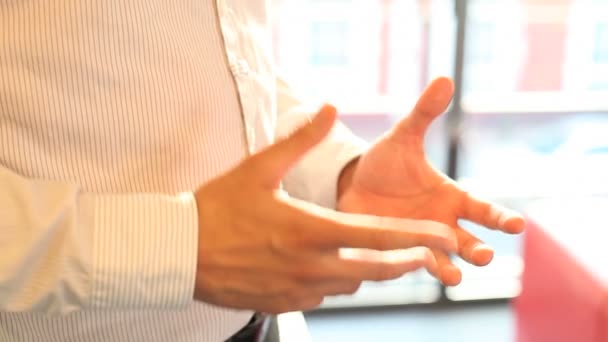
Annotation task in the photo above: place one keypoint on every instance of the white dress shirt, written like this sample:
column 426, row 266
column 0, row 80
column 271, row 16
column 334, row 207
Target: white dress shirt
column 112, row 112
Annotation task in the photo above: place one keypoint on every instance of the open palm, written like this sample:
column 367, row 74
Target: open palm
column 394, row 178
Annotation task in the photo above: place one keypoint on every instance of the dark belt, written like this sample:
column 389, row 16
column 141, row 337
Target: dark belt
column 255, row 331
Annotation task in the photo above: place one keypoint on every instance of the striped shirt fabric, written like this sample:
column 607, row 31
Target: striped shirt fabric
column 112, row 112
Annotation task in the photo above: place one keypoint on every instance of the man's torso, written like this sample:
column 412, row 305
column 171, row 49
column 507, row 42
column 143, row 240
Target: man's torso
column 128, row 96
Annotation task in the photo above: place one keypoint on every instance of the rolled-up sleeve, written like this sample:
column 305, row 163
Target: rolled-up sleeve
column 315, row 177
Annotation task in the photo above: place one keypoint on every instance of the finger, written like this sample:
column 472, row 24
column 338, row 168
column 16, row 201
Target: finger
column 273, row 162
column 298, row 301
column 473, row 250
column 433, row 101
column 307, row 300
column 492, row 215
column 447, row 272
column 283, row 304
column 335, row 287
column 339, row 229
column 365, row 264
column 308, row 303
column 236, row 300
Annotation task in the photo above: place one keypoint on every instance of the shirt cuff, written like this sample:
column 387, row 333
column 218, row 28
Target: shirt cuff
column 144, row 250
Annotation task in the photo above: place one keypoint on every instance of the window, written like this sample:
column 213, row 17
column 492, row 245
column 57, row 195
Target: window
column 481, row 41
column 535, row 83
column 600, row 51
column 586, row 62
column 370, row 58
column 530, row 139
column 329, row 43
column 494, row 53
column 368, row 54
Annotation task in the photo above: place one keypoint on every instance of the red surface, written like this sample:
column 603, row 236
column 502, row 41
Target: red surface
column 560, row 299
column 546, row 49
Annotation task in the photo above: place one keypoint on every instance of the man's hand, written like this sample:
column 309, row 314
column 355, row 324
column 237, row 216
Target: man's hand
column 394, row 179
column 261, row 250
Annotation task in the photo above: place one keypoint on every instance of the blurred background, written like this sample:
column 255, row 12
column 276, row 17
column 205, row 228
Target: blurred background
column 529, row 122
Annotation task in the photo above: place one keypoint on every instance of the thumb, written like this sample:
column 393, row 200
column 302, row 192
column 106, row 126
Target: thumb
column 433, row 101
column 272, row 163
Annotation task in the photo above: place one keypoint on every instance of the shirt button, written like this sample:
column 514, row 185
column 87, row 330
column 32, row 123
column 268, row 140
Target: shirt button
column 240, row 68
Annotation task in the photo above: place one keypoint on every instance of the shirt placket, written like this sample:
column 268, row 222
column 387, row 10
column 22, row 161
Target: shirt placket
column 241, row 71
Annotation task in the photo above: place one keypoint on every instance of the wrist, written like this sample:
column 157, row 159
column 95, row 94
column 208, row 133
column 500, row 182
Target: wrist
column 345, row 178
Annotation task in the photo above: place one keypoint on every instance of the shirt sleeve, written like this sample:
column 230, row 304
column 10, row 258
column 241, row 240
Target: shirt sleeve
column 315, row 177
column 65, row 250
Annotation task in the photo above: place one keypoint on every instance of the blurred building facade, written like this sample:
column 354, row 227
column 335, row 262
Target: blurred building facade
column 375, row 56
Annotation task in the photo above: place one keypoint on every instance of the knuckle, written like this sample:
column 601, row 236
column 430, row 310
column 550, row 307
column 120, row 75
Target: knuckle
column 487, row 210
column 317, row 301
column 308, row 303
column 290, row 240
column 300, row 302
column 308, row 272
column 387, row 272
column 300, row 239
column 276, row 310
column 302, row 299
column 280, row 287
column 352, row 288
column 282, row 305
column 346, row 288
column 425, row 256
column 382, row 240
column 277, row 243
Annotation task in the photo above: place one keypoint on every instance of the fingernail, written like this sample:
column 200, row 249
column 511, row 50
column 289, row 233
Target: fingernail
column 482, row 254
column 450, row 275
column 483, row 246
column 329, row 108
